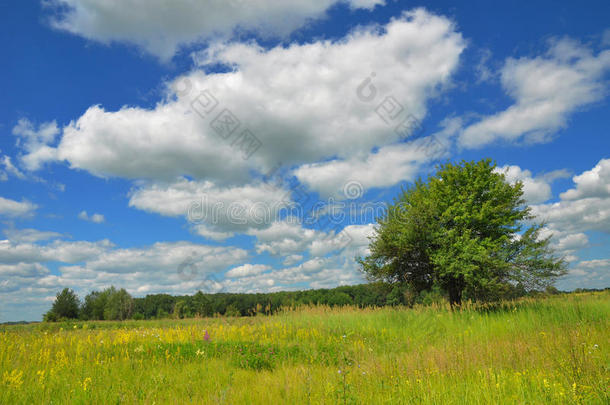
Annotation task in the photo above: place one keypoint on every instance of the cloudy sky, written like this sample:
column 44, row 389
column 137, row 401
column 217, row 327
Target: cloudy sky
column 248, row 145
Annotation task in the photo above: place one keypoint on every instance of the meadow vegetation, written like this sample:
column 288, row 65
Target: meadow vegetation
column 532, row 350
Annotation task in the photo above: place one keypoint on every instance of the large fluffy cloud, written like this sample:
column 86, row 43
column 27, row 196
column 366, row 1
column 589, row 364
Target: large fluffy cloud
column 594, row 183
column 300, row 101
column 218, row 212
column 333, row 177
column 580, row 210
column 162, row 26
column 536, row 189
column 546, row 90
column 584, row 207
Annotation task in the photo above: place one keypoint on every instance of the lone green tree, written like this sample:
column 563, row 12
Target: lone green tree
column 466, row 231
column 66, row 305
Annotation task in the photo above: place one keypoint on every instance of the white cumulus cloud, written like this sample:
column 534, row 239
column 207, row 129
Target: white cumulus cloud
column 247, row 270
column 95, row 218
column 12, row 208
column 29, row 235
column 594, row 183
column 583, row 208
column 535, row 189
column 35, row 143
column 300, row 101
column 161, row 27
column 546, row 91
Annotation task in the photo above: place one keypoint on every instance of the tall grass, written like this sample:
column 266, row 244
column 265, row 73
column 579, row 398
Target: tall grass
column 552, row 350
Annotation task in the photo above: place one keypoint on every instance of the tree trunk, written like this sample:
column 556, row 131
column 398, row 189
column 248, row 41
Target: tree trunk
column 455, row 294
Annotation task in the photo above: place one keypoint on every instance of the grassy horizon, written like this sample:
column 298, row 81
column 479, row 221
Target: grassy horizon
column 534, row 350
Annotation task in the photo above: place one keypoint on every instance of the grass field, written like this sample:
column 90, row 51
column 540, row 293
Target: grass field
column 552, row 350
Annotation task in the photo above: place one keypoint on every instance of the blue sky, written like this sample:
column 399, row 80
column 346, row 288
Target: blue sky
column 113, row 169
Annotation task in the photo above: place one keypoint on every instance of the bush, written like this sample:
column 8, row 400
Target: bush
column 552, row 290
column 431, row 297
column 232, row 311
column 50, row 316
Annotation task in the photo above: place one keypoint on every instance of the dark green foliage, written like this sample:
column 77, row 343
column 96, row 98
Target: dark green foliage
column 50, row 316
column 227, row 304
column 93, row 307
column 66, row 306
column 340, row 298
column 232, row 311
column 119, row 305
column 110, row 304
column 113, row 304
column 364, row 295
column 464, row 231
column 394, row 297
column 181, row 309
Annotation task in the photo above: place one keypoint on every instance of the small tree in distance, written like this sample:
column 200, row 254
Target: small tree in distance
column 462, row 231
column 66, row 306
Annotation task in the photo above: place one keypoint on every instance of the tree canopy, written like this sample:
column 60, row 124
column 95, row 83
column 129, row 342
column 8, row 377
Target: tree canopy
column 465, row 230
column 66, row 305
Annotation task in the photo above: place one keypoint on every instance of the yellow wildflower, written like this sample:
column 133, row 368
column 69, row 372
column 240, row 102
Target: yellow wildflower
column 13, row 379
column 86, row 383
column 41, row 376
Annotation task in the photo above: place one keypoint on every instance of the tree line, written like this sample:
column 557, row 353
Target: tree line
column 118, row 304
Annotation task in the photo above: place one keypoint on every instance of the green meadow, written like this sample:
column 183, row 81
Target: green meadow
column 534, row 350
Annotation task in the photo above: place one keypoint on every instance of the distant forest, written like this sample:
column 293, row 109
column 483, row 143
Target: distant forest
column 114, row 304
